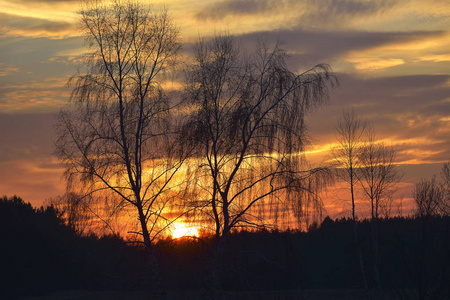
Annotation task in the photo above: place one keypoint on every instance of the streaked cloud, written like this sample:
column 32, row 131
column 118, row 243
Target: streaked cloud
column 222, row 9
column 15, row 25
column 410, row 52
column 48, row 1
column 332, row 12
column 435, row 57
column 7, row 69
column 309, row 11
column 371, row 65
column 37, row 96
column 408, row 112
column 364, row 49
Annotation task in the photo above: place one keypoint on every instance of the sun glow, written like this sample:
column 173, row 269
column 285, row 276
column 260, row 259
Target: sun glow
column 182, row 229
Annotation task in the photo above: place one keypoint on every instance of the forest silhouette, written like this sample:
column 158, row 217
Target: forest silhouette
column 40, row 255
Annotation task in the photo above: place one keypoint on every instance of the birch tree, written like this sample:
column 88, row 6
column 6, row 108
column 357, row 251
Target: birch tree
column 113, row 137
column 248, row 129
column 350, row 133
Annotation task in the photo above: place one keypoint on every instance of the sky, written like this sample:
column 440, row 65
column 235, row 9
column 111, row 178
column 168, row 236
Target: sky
column 392, row 58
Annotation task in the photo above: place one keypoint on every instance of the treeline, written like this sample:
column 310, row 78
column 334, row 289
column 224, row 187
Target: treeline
column 40, row 254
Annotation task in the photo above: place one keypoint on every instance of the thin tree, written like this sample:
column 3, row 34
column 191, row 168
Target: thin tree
column 247, row 126
column 113, row 139
column 428, row 195
column 379, row 177
column 350, row 136
column 378, row 173
column 445, row 175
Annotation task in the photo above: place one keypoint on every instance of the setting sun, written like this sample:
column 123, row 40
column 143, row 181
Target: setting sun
column 182, row 229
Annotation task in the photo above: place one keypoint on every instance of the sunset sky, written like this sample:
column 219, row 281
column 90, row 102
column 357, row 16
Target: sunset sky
column 392, row 58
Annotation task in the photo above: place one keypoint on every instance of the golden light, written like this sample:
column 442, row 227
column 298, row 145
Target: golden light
column 182, row 229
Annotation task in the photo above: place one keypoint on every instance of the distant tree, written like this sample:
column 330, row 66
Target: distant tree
column 445, row 175
column 432, row 196
column 247, row 128
column 379, row 177
column 429, row 198
column 350, row 137
column 428, row 195
column 350, row 133
column 114, row 139
column 377, row 172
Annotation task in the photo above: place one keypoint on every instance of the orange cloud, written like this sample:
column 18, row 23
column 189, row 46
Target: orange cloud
column 7, row 69
column 18, row 25
column 374, row 64
column 402, row 52
column 48, row 95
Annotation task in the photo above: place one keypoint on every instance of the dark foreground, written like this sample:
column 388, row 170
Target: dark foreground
column 41, row 258
column 256, row 295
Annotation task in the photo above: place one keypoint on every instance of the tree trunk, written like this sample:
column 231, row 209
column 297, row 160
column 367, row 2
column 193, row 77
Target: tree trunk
column 153, row 263
column 357, row 248
column 217, row 270
column 376, row 268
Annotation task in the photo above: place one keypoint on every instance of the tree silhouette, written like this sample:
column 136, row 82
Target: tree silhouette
column 379, row 177
column 428, row 195
column 114, row 138
column 377, row 174
column 350, row 136
column 247, row 128
column 445, row 175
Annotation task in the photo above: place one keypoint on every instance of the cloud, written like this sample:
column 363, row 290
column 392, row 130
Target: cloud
column 310, row 47
column 44, row 66
column 341, row 11
column 15, row 25
column 46, row 95
column 421, row 54
column 374, row 64
column 7, row 69
column 435, row 57
column 223, row 9
column 47, row 1
column 309, row 13
column 410, row 112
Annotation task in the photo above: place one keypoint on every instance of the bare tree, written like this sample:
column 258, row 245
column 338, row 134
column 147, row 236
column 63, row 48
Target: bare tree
column 350, row 136
column 432, row 196
column 379, row 177
column 114, row 139
column 377, row 173
column 445, row 175
column 428, row 195
column 247, row 126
